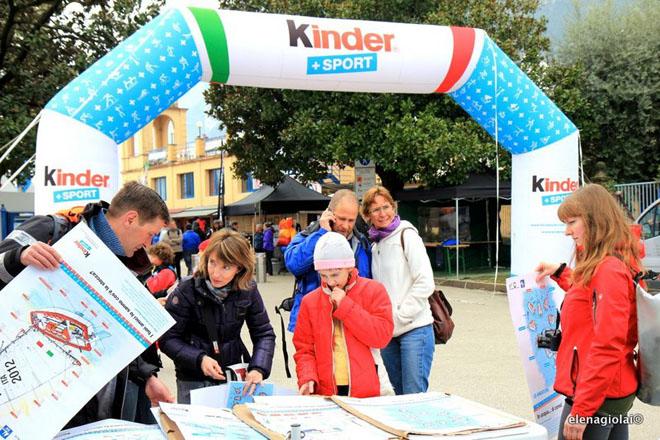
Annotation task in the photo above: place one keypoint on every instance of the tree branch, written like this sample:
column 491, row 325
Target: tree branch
column 23, row 53
column 6, row 32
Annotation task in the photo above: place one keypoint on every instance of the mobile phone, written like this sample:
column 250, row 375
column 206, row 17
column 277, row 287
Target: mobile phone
column 332, row 224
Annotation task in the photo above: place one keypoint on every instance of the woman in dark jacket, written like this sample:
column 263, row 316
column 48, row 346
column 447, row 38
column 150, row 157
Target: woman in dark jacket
column 210, row 309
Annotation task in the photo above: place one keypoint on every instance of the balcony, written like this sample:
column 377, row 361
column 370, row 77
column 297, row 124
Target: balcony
column 158, row 156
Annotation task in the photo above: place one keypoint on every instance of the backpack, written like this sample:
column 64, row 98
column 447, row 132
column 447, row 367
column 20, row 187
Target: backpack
column 175, row 241
column 64, row 220
column 648, row 328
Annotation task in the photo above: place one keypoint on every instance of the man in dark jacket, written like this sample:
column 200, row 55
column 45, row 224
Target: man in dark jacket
column 126, row 227
column 340, row 217
column 269, row 247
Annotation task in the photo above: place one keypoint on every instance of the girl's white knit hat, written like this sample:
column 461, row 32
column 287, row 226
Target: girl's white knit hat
column 332, row 251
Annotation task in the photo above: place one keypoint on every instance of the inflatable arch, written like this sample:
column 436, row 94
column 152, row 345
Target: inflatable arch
column 83, row 124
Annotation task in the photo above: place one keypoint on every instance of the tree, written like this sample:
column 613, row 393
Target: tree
column 43, row 46
column 614, row 55
column 424, row 138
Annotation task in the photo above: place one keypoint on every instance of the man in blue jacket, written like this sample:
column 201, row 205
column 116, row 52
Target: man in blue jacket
column 340, row 217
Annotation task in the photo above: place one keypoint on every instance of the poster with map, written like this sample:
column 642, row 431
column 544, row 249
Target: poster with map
column 428, row 413
column 533, row 310
column 65, row 333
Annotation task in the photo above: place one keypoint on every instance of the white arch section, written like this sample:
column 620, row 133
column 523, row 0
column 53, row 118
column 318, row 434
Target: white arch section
column 83, row 124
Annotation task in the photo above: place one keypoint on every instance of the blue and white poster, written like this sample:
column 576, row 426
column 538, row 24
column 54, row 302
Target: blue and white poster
column 534, row 310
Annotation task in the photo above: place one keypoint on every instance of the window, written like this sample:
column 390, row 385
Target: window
column 170, row 132
column 159, row 185
column 651, row 223
column 214, row 180
column 247, row 183
column 187, row 185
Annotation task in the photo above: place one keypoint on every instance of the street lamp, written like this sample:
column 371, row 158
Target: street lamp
column 221, row 186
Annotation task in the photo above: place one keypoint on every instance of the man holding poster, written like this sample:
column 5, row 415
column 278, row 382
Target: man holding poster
column 126, row 227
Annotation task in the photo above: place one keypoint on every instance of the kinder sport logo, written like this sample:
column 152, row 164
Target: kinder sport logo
column 313, row 37
column 84, row 247
column 548, row 185
column 90, row 183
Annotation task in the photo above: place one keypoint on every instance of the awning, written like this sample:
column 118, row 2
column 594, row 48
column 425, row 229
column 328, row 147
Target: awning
column 203, row 211
column 287, row 197
column 477, row 187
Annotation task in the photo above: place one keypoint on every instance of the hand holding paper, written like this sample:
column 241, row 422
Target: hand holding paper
column 252, row 379
column 544, row 270
column 307, row 388
column 41, row 256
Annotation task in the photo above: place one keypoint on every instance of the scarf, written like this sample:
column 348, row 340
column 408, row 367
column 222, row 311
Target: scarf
column 221, row 293
column 377, row 234
column 99, row 224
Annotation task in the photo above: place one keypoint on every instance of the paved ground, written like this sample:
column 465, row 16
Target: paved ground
column 481, row 361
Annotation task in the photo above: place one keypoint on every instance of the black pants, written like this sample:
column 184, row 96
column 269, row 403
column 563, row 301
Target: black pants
column 178, row 256
column 342, row 390
column 269, row 262
column 607, row 431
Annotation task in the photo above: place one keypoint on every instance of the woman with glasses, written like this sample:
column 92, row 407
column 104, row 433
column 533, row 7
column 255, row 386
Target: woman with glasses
column 399, row 261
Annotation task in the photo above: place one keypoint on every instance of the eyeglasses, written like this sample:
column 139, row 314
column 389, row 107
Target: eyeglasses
column 380, row 209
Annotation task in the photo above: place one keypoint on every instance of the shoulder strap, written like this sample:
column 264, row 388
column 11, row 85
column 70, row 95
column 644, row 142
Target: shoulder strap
column 403, row 243
column 209, row 322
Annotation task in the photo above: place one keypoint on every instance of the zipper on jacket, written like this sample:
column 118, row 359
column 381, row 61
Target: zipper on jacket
column 348, row 358
column 223, row 316
column 332, row 353
column 575, row 366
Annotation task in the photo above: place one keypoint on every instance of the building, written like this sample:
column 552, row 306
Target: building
column 185, row 174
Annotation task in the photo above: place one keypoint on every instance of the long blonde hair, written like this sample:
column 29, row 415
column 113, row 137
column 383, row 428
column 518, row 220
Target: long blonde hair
column 607, row 232
column 232, row 248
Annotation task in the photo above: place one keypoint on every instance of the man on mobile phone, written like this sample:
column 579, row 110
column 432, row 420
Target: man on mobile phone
column 340, row 217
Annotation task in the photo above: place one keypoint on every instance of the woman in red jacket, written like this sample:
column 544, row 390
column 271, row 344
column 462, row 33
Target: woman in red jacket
column 338, row 325
column 595, row 367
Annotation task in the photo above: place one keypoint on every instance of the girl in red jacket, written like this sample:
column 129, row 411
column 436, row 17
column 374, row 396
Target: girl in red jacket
column 338, row 325
column 595, row 367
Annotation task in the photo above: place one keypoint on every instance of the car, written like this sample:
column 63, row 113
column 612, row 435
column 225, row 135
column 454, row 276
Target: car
column 650, row 222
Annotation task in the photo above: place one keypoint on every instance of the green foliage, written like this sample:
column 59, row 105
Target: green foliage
column 615, row 52
column 425, row 138
column 43, row 46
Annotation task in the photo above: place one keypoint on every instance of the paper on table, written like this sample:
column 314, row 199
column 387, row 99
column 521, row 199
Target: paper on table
column 196, row 422
column 213, row 397
column 65, row 333
column 319, row 418
column 216, row 396
column 111, row 429
column 428, row 413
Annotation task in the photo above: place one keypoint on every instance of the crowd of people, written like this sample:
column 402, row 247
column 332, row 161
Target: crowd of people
column 360, row 319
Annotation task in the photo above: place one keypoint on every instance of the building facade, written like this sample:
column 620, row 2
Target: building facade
column 185, row 174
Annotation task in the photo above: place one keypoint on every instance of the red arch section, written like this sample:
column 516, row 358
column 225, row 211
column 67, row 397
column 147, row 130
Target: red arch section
column 463, row 47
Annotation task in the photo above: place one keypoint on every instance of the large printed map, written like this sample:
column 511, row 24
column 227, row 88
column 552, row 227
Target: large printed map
column 65, row 333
